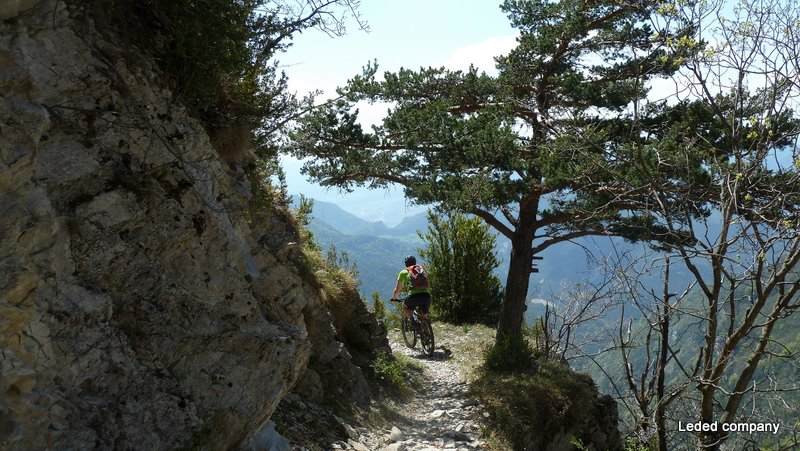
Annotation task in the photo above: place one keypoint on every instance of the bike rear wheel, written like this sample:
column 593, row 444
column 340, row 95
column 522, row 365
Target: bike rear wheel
column 409, row 334
column 426, row 336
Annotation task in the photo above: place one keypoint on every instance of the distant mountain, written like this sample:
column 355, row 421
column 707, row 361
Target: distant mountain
column 349, row 224
column 376, row 249
column 411, row 224
column 377, row 259
column 334, row 216
column 377, row 228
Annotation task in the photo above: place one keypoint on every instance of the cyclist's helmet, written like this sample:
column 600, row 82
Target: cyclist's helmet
column 410, row 261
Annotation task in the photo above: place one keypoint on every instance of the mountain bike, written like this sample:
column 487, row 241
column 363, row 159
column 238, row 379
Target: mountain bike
column 417, row 328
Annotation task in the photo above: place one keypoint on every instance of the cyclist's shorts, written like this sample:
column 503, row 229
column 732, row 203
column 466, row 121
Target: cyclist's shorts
column 421, row 302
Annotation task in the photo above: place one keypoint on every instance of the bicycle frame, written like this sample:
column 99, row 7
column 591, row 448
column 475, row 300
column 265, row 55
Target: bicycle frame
column 417, row 327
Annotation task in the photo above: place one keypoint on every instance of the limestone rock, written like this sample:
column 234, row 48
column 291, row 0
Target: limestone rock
column 357, row 445
column 396, row 435
column 267, row 439
column 11, row 8
column 351, row 433
column 140, row 308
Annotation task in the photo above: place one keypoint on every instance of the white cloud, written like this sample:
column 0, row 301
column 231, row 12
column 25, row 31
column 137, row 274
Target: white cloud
column 481, row 55
column 372, row 114
column 540, row 301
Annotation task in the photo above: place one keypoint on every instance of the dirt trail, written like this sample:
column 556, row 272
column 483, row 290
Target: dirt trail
column 440, row 416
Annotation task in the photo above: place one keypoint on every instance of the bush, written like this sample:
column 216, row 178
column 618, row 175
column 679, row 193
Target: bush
column 378, row 307
column 511, row 354
column 219, row 57
column 327, row 272
column 460, row 256
column 391, row 318
column 386, row 369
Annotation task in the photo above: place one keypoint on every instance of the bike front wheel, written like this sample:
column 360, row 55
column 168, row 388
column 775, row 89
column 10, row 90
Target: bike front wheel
column 426, row 336
column 409, row 334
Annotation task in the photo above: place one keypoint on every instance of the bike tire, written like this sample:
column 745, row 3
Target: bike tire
column 427, row 339
column 409, row 335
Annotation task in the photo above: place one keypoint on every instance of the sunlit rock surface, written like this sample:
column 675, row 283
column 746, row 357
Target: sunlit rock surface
column 139, row 308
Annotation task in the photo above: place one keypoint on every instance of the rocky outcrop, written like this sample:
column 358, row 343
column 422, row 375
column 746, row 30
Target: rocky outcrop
column 330, row 378
column 139, row 308
column 12, row 8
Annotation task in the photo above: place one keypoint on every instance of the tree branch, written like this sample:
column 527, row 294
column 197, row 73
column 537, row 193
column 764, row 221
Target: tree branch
column 493, row 221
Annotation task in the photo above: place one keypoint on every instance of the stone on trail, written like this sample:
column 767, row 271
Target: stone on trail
column 396, row 435
column 357, row 445
column 458, row 436
column 351, row 433
column 268, row 438
column 436, row 414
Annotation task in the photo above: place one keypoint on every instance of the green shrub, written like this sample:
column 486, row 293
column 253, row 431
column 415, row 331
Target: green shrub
column 394, row 318
column 378, row 307
column 460, row 255
column 323, row 270
column 391, row 319
column 219, row 56
column 385, row 368
column 631, row 444
column 511, row 354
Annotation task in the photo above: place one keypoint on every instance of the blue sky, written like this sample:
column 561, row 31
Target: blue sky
column 403, row 33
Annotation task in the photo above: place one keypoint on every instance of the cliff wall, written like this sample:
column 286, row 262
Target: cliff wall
column 140, row 307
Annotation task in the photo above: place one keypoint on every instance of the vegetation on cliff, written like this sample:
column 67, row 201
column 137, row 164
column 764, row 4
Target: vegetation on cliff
column 220, row 59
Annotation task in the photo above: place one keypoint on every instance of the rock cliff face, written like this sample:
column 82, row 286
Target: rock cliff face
column 139, row 308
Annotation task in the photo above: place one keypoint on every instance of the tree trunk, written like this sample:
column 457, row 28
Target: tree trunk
column 661, row 407
column 512, row 312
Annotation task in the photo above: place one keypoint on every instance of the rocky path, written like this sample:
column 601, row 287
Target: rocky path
column 440, row 416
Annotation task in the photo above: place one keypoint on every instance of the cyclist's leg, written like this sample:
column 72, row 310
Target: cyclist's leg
column 407, row 309
column 424, row 307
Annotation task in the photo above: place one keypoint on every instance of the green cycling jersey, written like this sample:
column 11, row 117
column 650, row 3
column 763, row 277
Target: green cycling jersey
column 405, row 279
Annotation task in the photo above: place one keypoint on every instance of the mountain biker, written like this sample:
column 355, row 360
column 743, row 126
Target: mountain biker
column 418, row 297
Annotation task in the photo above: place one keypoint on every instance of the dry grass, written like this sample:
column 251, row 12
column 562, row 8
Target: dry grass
column 467, row 343
column 530, row 410
column 233, row 143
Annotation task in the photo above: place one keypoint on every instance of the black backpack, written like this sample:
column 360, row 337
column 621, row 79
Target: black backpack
column 419, row 278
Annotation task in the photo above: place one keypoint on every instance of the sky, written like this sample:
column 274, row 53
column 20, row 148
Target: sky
column 403, row 33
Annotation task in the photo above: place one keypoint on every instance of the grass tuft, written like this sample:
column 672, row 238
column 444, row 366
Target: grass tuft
column 397, row 373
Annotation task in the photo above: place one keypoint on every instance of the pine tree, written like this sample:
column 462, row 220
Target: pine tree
column 549, row 150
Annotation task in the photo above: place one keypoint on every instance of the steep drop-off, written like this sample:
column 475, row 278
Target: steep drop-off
column 139, row 307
